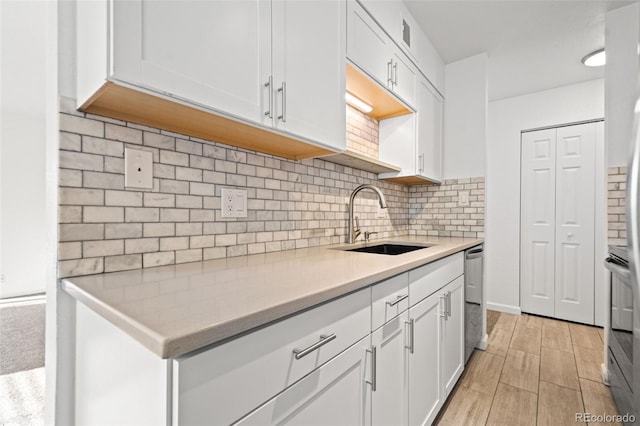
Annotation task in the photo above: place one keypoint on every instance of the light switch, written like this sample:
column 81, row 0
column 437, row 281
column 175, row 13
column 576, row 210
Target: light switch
column 234, row 202
column 381, row 213
column 138, row 169
column 463, row 198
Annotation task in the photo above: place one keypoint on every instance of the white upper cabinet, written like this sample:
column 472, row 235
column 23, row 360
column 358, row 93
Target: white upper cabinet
column 254, row 65
column 429, row 131
column 369, row 47
column 309, row 69
column 215, row 54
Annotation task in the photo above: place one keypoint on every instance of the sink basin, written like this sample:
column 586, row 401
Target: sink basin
column 391, row 249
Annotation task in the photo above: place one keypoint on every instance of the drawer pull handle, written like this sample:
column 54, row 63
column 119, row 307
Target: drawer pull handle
column 374, row 360
column 399, row 299
column 411, row 323
column 324, row 339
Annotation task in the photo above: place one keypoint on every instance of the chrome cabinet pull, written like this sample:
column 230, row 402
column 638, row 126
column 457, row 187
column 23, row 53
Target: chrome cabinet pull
column 443, row 312
column 324, row 339
column 374, row 368
column 448, row 304
column 398, row 299
column 421, row 158
column 395, row 74
column 390, row 73
column 269, row 84
column 411, row 324
column 283, row 90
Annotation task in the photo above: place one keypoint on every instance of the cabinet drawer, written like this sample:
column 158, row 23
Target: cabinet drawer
column 389, row 299
column 427, row 279
column 222, row 384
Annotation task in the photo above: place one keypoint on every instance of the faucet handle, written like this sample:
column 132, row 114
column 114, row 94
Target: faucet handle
column 368, row 235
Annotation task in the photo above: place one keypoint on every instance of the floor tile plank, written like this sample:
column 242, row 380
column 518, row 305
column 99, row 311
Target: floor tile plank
column 558, row 405
column 597, row 400
column 589, row 363
column 586, row 336
column 526, row 339
column 483, row 372
column 507, row 321
column 556, row 338
column 521, row 369
column 559, row 367
column 467, row 407
column 533, row 321
column 555, row 323
column 513, row 406
column 498, row 342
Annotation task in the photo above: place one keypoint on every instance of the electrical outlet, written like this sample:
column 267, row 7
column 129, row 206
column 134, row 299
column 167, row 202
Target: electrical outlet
column 381, row 213
column 138, row 169
column 234, row 202
column 463, row 198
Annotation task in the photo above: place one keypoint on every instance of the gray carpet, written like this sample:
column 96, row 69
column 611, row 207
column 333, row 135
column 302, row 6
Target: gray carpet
column 21, row 337
column 22, row 376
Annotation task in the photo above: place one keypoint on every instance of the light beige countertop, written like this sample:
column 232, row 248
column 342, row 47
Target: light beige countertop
column 173, row 310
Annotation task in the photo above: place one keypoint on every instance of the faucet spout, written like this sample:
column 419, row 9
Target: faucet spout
column 351, row 234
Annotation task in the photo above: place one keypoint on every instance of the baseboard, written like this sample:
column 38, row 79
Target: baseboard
column 483, row 343
column 605, row 374
column 504, row 308
column 23, row 300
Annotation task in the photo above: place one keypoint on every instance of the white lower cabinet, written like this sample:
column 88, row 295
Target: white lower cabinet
column 425, row 361
column 388, row 354
column 334, row 394
column 388, row 399
column 453, row 334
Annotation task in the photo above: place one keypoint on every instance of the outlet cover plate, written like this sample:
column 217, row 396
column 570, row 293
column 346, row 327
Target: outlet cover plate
column 138, row 169
column 234, row 202
column 463, row 198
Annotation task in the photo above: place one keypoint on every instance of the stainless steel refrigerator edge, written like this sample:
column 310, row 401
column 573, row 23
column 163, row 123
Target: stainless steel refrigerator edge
column 633, row 241
column 473, row 306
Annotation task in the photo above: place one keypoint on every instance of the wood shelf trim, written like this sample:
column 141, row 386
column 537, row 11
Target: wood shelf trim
column 410, row 180
column 360, row 161
column 124, row 103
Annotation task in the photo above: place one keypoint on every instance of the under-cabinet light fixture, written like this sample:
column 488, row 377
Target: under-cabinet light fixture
column 357, row 103
column 595, row 59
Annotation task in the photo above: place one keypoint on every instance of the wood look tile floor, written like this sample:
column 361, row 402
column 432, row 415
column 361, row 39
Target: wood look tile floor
column 535, row 371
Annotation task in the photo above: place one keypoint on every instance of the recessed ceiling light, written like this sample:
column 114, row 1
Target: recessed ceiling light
column 595, row 59
column 358, row 103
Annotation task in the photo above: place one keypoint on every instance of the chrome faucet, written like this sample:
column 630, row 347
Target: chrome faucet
column 351, row 233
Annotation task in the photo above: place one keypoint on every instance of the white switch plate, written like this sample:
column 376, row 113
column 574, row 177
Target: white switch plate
column 381, row 213
column 234, row 202
column 138, row 169
column 463, row 198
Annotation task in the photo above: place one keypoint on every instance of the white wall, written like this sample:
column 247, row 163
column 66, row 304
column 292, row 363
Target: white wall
column 23, row 223
column 621, row 80
column 507, row 118
column 465, row 117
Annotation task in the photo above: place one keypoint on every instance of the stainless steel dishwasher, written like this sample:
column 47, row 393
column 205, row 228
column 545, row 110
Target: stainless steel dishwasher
column 473, row 306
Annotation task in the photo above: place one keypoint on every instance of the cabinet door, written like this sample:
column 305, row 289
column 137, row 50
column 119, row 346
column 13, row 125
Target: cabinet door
column 334, row 394
column 309, row 70
column 397, row 144
column 368, row 46
column 429, row 131
column 425, row 393
column 389, row 399
column 453, row 335
column 215, row 53
column 404, row 77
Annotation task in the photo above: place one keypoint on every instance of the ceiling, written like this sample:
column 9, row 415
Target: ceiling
column 532, row 45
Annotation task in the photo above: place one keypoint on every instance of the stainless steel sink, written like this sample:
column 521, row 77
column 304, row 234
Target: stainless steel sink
column 389, row 248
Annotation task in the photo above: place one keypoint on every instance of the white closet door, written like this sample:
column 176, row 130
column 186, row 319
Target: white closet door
column 575, row 210
column 537, row 251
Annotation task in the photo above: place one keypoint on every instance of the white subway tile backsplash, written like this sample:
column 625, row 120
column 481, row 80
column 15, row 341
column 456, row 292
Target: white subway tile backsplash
column 291, row 204
column 616, row 204
column 122, row 263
